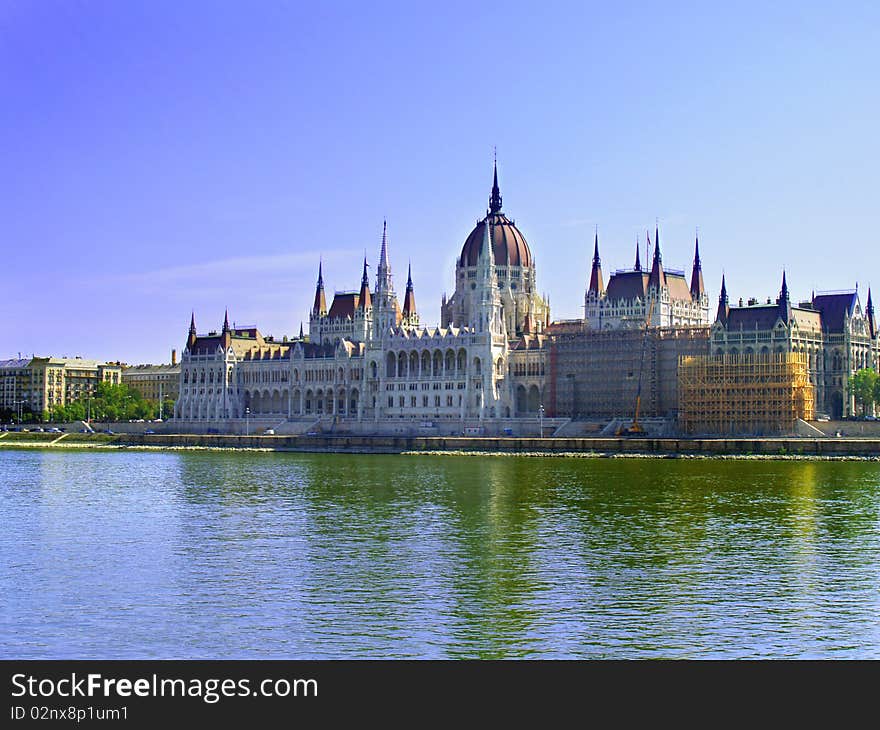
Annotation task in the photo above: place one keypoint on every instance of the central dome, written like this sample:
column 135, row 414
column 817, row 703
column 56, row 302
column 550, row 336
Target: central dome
column 509, row 247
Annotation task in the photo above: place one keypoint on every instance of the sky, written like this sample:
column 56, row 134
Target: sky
column 161, row 158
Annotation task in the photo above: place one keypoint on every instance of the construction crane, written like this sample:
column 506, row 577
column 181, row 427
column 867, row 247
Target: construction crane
column 636, row 428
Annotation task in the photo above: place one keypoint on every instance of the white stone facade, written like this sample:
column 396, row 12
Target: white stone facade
column 368, row 359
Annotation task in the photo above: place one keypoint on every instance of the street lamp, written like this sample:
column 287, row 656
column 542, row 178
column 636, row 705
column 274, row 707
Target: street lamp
column 247, row 421
column 541, row 420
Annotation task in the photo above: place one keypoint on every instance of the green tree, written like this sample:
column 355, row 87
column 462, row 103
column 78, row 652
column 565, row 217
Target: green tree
column 862, row 386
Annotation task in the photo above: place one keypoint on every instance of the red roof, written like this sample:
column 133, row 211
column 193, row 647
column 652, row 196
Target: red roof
column 344, row 305
column 509, row 247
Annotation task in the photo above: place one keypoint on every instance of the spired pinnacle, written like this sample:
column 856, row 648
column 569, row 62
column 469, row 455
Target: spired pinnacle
column 723, row 305
column 409, row 299
column 383, row 251
column 596, row 285
column 365, row 301
column 319, row 306
column 698, row 288
column 495, row 198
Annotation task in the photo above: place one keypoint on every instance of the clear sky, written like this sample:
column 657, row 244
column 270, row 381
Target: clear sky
column 162, row 157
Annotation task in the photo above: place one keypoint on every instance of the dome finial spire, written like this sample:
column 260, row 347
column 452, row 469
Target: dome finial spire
column 495, row 198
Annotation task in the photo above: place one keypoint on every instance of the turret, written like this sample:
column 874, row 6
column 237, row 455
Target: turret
column 383, row 281
column 191, row 339
column 319, row 308
column 723, row 304
column 869, row 310
column 409, row 300
column 698, row 289
column 365, row 301
column 657, row 278
column 638, row 266
column 784, row 301
column 384, row 301
column 597, row 288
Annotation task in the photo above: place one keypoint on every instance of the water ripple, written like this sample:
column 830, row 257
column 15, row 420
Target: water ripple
column 203, row 555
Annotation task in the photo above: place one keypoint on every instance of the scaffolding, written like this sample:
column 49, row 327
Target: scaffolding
column 744, row 394
column 595, row 373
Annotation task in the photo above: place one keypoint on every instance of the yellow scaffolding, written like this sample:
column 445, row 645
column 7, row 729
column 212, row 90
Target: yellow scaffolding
column 744, row 394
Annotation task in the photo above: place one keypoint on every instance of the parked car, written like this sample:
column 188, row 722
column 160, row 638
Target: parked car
column 41, row 430
column 55, row 430
column 269, row 432
column 110, row 431
column 149, row 432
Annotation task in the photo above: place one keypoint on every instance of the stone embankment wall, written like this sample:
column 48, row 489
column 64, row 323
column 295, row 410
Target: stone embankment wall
column 392, row 445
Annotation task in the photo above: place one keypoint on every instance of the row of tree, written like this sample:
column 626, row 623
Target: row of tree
column 110, row 403
column 864, row 386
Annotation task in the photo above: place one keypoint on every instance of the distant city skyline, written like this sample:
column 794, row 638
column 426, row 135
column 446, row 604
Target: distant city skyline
column 164, row 159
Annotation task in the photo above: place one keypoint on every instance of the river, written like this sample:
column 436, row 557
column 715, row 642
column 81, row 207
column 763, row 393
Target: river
column 216, row 555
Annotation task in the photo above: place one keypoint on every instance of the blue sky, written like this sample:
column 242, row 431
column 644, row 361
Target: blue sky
column 165, row 157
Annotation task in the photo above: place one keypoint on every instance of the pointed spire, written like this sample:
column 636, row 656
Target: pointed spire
column 319, row 307
column 596, row 286
column 697, row 286
column 383, row 252
column 364, row 299
column 784, row 301
column 409, row 299
column 869, row 310
column 638, row 266
column 191, row 338
column 657, row 277
column 301, row 330
column 495, row 198
column 723, row 306
column 226, row 321
column 383, row 271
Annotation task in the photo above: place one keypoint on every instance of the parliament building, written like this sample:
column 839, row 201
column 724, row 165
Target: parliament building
column 497, row 360
column 367, row 357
